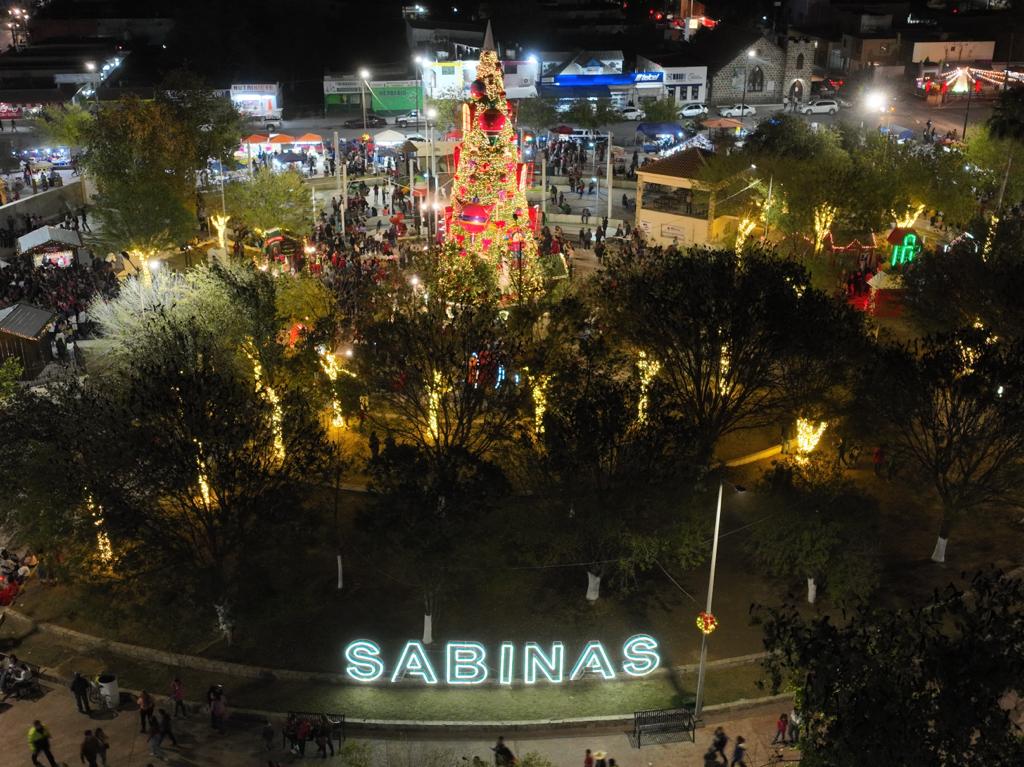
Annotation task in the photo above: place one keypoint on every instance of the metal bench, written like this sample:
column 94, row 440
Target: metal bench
column 663, row 721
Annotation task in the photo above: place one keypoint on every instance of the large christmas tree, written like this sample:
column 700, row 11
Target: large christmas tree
column 490, row 225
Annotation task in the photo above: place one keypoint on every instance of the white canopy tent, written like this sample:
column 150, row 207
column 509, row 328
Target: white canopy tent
column 50, row 241
column 389, row 138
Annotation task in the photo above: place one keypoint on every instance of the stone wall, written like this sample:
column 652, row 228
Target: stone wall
column 799, row 55
column 765, row 72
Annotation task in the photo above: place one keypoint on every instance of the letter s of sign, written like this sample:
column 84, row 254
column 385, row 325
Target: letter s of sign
column 364, row 663
column 640, row 655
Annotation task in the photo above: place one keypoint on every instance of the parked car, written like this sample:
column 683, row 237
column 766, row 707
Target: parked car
column 693, row 110
column 737, row 110
column 632, row 113
column 820, row 107
column 410, row 118
column 372, row 121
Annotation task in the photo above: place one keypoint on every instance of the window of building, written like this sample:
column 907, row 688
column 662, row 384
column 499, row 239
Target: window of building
column 694, row 92
column 755, row 82
column 800, row 61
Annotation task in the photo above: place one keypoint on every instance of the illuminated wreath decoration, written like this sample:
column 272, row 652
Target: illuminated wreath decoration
column 706, row 622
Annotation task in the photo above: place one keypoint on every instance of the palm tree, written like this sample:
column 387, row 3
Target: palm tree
column 1007, row 122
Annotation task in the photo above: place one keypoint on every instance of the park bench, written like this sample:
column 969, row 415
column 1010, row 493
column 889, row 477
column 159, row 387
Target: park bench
column 34, row 689
column 661, row 722
column 335, row 723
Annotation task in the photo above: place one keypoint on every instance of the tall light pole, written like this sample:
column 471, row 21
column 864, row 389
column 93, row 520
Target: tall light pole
column 422, row 62
column 431, row 115
column 364, row 75
column 746, row 76
column 967, row 112
column 699, row 703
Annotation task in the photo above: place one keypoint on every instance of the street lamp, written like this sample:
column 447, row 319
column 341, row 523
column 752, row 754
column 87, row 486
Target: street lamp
column 699, row 703
column 91, row 66
column 364, row 75
column 746, row 77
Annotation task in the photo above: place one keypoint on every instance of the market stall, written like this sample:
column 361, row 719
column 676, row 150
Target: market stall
column 51, row 245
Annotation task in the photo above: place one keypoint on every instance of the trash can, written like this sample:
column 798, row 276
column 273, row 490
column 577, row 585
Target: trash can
column 109, row 691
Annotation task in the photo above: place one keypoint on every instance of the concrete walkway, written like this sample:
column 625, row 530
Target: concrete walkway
column 241, row 745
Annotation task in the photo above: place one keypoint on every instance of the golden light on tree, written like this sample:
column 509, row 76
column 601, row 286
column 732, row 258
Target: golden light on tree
column 648, row 368
column 332, row 369
column 808, row 435
column 271, row 396
column 987, row 247
column 743, row 230
column 220, row 226
column 539, row 393
column 824, row 217
column 908, row 218
column 434, row 394
column 724, row 360
column 104, row 549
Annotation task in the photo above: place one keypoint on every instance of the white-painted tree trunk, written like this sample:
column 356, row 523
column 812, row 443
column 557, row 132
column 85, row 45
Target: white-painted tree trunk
column 812, row 591
column 341, row 573
column 593, row 587
column 939, row 554
column 428, row 628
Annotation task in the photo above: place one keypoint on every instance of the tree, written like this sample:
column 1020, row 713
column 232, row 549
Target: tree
column 190, row 460
column 10, row 374
column 740, row 343
column 593, row 115
column 212, row 122
column 140, row 156
column 448, row 105
column 490, row 213
column 953, row 412
column 932, row 685
column 270, row 200
column 820, row 528
column 536, row 113
column 663, row 110
column 613, row 481
column 64, row 124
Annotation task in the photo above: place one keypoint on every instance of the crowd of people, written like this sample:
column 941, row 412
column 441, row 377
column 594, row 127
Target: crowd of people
column 64, row 290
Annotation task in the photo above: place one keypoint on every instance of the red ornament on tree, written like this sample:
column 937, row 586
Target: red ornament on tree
column 478, row 89
column 491, row 122
column 474, row 217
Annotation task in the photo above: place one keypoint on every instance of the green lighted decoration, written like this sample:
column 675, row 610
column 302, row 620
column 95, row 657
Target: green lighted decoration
column 906, row 251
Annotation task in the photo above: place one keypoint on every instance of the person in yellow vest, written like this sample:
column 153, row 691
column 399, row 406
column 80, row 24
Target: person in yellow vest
column 39, row 742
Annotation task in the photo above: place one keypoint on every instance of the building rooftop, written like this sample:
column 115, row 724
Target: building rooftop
column 686, row 164
column 25, row 321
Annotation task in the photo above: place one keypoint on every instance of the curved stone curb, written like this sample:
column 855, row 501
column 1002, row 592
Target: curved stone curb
column 198, row 663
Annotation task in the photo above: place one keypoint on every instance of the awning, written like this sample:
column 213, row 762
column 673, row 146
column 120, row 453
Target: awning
column 45, row 235
column 310, row 138
column 25, row 321
column 660, row 129
column 389, row 138
column 722, row 122
column 282, row 138
column 256, row 138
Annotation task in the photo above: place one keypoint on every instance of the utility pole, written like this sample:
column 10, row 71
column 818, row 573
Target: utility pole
column 699, row 703
column 608, row 171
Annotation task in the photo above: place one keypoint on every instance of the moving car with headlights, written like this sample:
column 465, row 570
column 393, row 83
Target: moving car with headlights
column 737, row 110
column 632, row 113
column 693, row 110
column 820, row 107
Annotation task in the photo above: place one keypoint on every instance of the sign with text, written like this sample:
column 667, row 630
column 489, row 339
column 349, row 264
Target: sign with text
column 469, row 663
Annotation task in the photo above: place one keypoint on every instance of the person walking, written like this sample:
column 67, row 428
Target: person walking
column 146, row 705
column 718, row 743
column 104, row 741
column 588, row 759
column 39, row 742
column 154, row 743
column 80, row 688
column 781, row 729
column 89, row 752
column 166, row 728
column 218, row 709
column 739, row 754
column 794, row 727
column 178, row 696
column 268, row 735
column 503, row 756
column 878, row 460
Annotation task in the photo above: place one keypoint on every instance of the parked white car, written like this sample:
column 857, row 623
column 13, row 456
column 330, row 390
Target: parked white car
column 737, row 110
column 632, row 113
column 820, row 107
column 693, row 110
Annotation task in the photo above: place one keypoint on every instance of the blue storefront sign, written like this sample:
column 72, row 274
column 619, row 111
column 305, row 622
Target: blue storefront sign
column 627, row 78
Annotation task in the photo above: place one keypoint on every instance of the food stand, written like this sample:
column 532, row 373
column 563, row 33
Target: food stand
column 51, row 245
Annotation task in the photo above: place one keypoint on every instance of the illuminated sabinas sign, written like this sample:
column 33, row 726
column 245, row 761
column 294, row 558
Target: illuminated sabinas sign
column 469, row 663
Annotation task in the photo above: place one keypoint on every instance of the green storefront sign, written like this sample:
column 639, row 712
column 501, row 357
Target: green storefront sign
column 381, row 98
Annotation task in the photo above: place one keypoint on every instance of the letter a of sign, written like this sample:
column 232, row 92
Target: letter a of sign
column 415, row 663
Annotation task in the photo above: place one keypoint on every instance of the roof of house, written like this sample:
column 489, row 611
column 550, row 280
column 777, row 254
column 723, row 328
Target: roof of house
column 713, row 48
column 686, row 164
column 25, row 321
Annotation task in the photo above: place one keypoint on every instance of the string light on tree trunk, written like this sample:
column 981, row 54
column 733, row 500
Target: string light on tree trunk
column 824, row 217
column 434, row 393
column 743, row 230
column 540, row 403
column 808, row 435
column 271, row 396
column 907, row 220
column 648, row 368
column 104, row 549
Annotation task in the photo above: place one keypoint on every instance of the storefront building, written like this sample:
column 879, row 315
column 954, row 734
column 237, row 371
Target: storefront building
column 257, row 99
column 451, row 79
column 343, row 94
column 684, row 83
